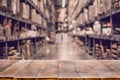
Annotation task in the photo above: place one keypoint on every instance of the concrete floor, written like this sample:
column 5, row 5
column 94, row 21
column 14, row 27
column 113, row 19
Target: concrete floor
column 63, row 50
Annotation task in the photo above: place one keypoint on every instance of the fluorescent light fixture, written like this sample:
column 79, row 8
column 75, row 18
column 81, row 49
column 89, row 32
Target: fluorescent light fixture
column 63, row 3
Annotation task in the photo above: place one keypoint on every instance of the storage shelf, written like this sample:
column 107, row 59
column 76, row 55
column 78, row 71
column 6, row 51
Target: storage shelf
column 85, row 6
column 19, row 39
column 112, row 38
column 33, row 5
column 104, row 16
column 9, row 15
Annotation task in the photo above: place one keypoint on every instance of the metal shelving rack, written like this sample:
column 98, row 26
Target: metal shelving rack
column 100, row 39
column 20, row 20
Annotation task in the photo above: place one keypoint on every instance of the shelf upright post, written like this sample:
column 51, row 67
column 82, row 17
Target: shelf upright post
column 94, row 51
column 111, row 21
column 18, row 43
column 86, row 43
column 6, row 38
column 35, row 43
column 100, row 40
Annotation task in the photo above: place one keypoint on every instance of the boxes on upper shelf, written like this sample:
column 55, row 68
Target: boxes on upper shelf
column 115, row 3
column 35, row 2
column 13, row 6
column 3, row 3
column 25, row 10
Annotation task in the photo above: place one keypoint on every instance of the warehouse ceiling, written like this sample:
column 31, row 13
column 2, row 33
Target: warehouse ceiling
column 73, row 8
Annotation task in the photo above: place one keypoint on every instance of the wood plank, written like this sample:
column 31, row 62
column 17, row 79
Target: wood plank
column 14, row 69
column 84, row 70
column 5, row 64
column 102, row 70
column 113, row 64
column 6, row 78
column 50, row 70
column 67, row 70
column 31, row 70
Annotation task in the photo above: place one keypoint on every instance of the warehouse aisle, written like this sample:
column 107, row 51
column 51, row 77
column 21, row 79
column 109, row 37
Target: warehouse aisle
column 65, row 50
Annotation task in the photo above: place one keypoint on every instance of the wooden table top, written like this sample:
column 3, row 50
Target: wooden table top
column 59, row 69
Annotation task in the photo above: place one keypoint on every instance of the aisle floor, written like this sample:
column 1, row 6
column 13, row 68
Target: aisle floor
column 62, row 51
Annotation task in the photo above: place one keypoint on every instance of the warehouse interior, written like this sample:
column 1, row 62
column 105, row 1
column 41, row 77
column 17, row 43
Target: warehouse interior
column 59, row 39
column 53, row 29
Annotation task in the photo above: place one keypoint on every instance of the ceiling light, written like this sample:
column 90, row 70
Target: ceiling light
column 63, row 3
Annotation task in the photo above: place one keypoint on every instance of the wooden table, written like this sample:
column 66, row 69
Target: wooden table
column 62, row 70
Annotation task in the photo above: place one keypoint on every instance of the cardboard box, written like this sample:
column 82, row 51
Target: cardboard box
column 3, row 3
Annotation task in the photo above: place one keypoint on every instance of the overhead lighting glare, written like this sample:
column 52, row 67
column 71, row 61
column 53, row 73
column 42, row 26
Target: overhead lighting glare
column 63, row 3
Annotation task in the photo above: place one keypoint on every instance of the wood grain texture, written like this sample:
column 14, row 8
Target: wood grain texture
column 50, row 70
column 31, row 70
column 102, row 70
column 5, row 64
column 60, row 70
column 114, row 65
column 84, row 70
column 67, row 70
column 14, row 69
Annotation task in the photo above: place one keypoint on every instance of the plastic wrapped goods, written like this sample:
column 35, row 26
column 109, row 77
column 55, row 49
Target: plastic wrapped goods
column 89, row 31
column 97, row 28
column 106, row 31
column 31, row 33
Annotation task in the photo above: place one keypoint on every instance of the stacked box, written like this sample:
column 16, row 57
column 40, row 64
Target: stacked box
column 3, row 3
column 13, row 6
column 1, row 30
column 108, row 4
column 47, row 14
column 115, row 4
column 35, row 2
column 18, row 6
column 13, row 54
column 115, row 51
column 95, row 4
column 41, row 6
column 33, row 16
column 85, row 15
column 27, row 11
column 38, row 4
column 91, row 12
column 23, row 10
